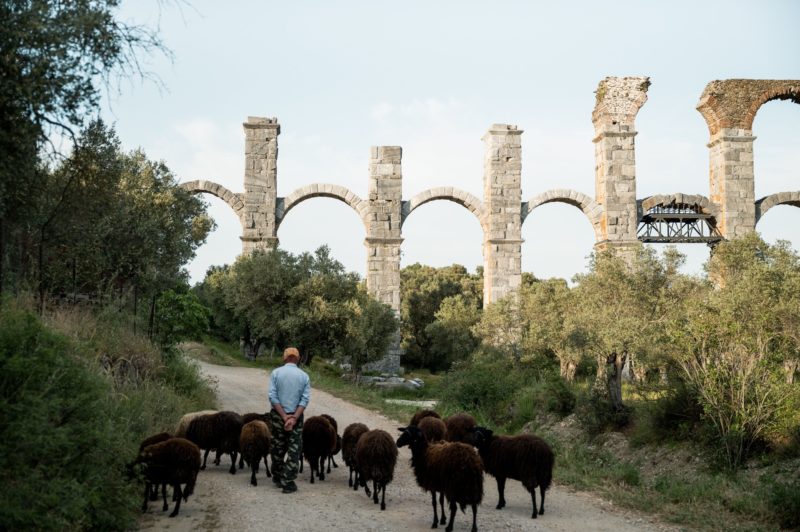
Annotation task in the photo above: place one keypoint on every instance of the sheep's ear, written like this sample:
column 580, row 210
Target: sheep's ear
column 402, row 429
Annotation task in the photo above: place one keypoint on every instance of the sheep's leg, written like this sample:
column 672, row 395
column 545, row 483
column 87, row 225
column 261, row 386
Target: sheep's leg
column 232, row 470
column 334, row 462
column 254, row 471
column 350, row 477
column 541, row 493
column 154, row 492
column 441, row 502
column 383, row 498
column 366, row 486
column 474, row 518
column 311, row 464
column 435, row 511
column 501, row 488
column 217, row 458
column 329, row 463
column 266, row 466
column 177, row 488
column 205, row 457
column 533, row 500
column 241, row 461
column 146, row 496
column 165, row 507
column 357, row 481
column 375, row 490
column 449, row 527
column 322, row 468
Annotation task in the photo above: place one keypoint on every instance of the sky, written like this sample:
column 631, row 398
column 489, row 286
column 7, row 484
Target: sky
column 432, row 77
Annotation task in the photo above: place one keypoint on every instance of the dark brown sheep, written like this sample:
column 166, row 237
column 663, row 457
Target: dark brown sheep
column 376, row 456
column 183, row 424
column 175, row 461
column 422, row 414
column 254, row 442
column 526, row 458
column 433, row 428
column 247, row 418
column 453, row 469
column 349, row 440
column 155, row 438
column 218, row 431
column 459, row 428
column 319, row 440
column 338, row 446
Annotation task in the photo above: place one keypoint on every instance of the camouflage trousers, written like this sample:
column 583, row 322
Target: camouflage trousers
column 284, row 443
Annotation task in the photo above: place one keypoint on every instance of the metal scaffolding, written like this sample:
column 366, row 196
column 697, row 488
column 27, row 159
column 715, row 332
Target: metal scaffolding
column 678, row 223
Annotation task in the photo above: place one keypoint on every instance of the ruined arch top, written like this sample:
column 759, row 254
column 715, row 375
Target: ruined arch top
column 233, row 199
column 733, row 103
column 461, row 197
column 773, row 200
column 706, row 206
column 321, row 190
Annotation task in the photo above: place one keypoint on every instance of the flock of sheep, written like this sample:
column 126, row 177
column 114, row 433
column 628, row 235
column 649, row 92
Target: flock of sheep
column 448, row 457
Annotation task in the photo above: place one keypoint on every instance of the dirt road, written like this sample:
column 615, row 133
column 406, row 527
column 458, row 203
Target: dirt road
column 228, row 502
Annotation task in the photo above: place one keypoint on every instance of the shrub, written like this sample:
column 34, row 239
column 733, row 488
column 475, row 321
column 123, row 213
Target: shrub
column 597, row 414
column 481, row 387
column 63, row 446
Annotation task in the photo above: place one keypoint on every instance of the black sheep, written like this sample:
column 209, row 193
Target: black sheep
column 247, row 418
column 459, row 428
column 156, row 438
column 376, row 456
column 218, row 431
column 422, row 414
column 453, row 469
column 349, row 440
column 254, row 443
column 175, row 461
column 338, row 447
column 319, row 440
column 433, row 428
column 526, row 458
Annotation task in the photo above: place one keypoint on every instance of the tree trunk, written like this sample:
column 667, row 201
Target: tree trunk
column 2, row 254
column 135, row 304
column 790, row 367
column 568, row 369
column 152, row 320
column 614, row 365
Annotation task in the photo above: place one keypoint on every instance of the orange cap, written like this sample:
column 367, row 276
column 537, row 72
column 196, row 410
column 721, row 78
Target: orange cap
column 291, row 352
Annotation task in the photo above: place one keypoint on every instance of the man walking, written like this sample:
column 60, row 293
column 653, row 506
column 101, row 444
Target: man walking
column 289, row 392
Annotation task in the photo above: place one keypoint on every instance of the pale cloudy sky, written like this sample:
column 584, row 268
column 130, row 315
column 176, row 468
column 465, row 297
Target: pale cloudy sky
column 432, row 77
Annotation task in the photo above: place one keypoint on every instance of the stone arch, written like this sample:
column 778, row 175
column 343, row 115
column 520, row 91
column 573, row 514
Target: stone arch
column 461, row 197
column 706, row 206
column 733, row 103
column 781, row 198
column 233, row 199
column 584, row 203
column 321, row 190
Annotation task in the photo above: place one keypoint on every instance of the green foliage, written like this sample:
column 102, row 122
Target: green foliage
column 483, row 386
column 423, row 289
column 277, row 299
column 737, row 345
column 450, row 334
column 56, row 57
column 179, row 317
column 72, row 414
column 598, row 415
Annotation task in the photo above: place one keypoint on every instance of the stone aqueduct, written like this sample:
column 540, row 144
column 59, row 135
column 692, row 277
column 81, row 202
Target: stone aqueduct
column 728, row 106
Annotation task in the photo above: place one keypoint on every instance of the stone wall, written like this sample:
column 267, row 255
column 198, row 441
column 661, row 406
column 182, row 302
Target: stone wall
column 260, row 183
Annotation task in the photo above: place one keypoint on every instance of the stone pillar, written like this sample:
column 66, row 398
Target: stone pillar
column 732, row 181
column 502, row 208
column 617, row 103
column 384, row 239
column 260, row 183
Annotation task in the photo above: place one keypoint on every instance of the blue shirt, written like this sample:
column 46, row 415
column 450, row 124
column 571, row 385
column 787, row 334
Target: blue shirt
column 290, row 387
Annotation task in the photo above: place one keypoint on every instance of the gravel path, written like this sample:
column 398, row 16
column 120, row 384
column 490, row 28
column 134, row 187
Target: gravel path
column 228, row 502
